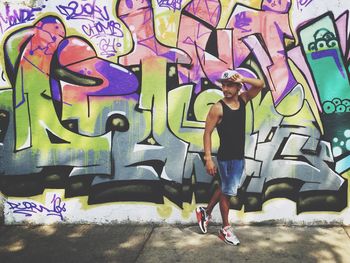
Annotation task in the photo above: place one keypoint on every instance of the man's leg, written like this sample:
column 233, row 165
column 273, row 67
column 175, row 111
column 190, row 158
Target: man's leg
column 203, row 214
column 213, row 200
column 232, row 180
column 224, row 209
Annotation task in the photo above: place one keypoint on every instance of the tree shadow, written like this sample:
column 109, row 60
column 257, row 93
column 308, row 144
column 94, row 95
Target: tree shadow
column 258, row 244
column 171, row 243
column 72, row 243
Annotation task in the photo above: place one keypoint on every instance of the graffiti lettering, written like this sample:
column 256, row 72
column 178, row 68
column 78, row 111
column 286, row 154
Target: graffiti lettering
column 14, row 17
column 304, row 2
column 109, row 47
column 89, row 11
column 28, row 208
column 98, row 29
column 130, row 127
column 100, row 25
column 171, row 4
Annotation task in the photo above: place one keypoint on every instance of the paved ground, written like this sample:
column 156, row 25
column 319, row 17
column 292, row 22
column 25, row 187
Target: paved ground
column 165, row 243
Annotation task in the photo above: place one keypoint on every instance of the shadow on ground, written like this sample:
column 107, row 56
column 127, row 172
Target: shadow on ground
column 72, row 243
column 165, row 243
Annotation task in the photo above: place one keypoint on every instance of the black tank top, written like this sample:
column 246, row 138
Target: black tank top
column 231, row 131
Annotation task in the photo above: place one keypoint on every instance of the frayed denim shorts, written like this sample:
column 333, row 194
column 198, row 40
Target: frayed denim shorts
column 231, row 173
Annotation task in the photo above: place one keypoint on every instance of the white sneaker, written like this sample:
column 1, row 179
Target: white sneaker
column 203, row 219
column 226, row 234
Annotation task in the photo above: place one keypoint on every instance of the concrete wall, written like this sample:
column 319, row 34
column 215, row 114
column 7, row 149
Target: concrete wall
column 103, row 103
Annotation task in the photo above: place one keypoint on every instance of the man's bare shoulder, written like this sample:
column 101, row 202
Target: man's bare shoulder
column 216, row 108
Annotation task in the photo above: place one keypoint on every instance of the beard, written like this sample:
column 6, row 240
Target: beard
column 228, row 94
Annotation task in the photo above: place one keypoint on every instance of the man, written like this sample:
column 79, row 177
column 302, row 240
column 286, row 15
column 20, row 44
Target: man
column 228, row 116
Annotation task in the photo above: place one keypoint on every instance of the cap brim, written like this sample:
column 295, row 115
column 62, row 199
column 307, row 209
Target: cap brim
column 227, row 80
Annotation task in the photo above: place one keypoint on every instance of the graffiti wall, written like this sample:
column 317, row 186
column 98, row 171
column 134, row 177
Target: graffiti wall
column 103, row 106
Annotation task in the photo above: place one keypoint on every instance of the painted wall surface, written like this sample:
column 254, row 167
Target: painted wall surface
column 103, row 104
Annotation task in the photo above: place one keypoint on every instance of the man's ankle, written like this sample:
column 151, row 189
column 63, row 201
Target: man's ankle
column 207, row 211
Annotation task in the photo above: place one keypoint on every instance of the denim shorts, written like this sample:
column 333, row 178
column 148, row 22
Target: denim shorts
column 231, row 173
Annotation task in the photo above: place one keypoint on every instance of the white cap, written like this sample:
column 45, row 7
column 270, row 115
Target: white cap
column 226, row 75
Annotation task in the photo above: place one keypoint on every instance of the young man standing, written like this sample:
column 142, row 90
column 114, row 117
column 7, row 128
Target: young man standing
column 228, row 116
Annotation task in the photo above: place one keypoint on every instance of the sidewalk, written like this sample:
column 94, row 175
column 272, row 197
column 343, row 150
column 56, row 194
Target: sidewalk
column 172, row 243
